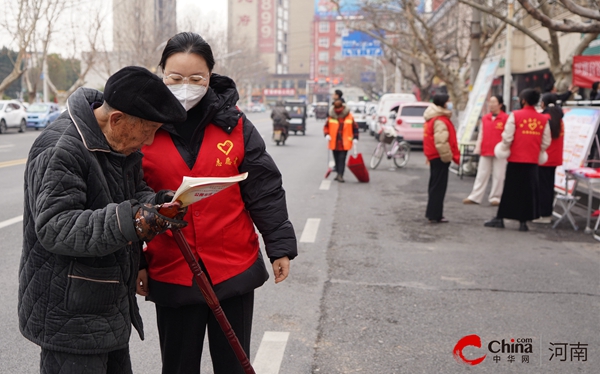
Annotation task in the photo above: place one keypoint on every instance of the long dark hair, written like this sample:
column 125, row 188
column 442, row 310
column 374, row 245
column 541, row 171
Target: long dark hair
column 556, row 114
column 188, row 42
column 501, row 102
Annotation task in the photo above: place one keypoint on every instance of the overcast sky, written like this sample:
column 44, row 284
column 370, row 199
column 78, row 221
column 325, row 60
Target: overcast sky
column 215, row 10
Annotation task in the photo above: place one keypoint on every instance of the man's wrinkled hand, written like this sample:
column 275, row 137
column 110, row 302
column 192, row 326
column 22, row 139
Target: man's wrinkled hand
column 149, row 223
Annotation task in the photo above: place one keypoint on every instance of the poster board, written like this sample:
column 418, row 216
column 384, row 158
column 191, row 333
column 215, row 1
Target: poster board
column 581, row 125
column 477, row 98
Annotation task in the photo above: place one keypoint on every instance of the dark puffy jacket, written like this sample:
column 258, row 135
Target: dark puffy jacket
column 262, row 191
column 280, row 116
column 80, row 251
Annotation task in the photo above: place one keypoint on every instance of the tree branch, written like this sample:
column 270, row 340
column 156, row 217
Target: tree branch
column 580, row 10
column 565, row 25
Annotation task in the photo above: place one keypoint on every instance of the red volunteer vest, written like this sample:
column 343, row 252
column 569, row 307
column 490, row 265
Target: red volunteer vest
column 555, row 150
column 429, row 144
column 492, row 132
column 219, row 229
column 529, row 129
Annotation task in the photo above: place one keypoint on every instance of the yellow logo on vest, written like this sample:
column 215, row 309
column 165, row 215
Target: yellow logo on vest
column 225, row 147
column 228, row 161
column 532, row 125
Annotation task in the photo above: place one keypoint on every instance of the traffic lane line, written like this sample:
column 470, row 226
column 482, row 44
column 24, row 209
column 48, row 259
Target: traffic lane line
column 11, row 221
column 309, row 234
column 325, row 185
column 270, row 352
column 13, row 162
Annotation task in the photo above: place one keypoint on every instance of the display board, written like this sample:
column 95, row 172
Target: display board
column 477, row 98
column 581, row 125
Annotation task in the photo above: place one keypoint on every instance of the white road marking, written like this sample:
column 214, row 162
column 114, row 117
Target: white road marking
column 309, row 234
column 270, row 352
column 325, row 185
column 11, row 221
column 13, row 162
column 7, row 145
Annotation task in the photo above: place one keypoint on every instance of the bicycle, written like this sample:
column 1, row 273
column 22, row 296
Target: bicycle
column 399, row 152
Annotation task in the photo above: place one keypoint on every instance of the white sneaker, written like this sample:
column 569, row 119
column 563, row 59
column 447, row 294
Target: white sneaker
column 543, row 220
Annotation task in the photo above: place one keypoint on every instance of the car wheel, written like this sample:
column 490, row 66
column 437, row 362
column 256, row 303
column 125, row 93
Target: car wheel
column 23, row 126
column 303, row 132
column 3, row 127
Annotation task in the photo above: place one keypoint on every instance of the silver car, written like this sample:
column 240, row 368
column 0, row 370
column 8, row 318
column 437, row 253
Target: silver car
column 12, row 115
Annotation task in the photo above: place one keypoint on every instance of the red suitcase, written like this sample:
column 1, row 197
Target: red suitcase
column 357, row 167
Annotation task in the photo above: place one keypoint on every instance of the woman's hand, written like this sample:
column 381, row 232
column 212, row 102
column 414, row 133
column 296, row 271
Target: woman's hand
column 281, row 269
column 141, row 285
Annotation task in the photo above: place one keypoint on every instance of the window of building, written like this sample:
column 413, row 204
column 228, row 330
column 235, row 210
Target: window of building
column 324, row 56
column 338, row 55
column 340, row 27
column 338, row 41
column 323, row 27
column 338, row 70
column 324, row 42
column 323, row 70
column 288, row 83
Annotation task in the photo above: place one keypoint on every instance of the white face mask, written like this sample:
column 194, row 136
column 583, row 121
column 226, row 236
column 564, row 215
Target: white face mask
column 188, row 94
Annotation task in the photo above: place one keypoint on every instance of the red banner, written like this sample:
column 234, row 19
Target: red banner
column 266, row 26
column 586, row 70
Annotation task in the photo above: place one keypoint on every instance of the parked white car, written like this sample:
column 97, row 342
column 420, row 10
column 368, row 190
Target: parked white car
column 359, row 112
column 386, row 103
column 12, row 115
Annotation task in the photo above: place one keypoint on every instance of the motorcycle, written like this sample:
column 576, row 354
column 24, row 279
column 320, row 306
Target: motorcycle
column 280, row 134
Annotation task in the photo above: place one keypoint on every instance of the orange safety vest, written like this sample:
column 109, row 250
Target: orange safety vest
column 347, row 132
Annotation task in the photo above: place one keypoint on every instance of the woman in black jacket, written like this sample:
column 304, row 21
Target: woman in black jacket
column 216, row 140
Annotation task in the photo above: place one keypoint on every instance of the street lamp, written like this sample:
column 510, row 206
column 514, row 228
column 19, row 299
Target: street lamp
column 384, row 74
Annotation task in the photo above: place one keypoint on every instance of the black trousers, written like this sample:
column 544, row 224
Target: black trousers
column 181, row 334
column 438, row 182
column 340, row 161
column 520, row 197
column 115, row 362
column 546, row 174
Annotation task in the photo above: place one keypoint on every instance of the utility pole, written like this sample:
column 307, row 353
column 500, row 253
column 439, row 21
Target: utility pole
column 507, row 89
column 475, row 45
column 45, row 82
column 398, row 77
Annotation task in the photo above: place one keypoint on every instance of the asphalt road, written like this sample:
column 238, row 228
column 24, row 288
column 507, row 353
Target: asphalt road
column 377, row 289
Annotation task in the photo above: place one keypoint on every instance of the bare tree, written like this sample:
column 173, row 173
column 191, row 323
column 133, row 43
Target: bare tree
column 21, row 27
column 559, row 69
column 590, row 11
column 425, row 46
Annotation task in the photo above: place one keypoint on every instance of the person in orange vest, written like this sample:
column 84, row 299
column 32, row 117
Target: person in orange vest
column 440, row 148
column 555, row 156
column 341, row 133
column 525, row 138
column 216, row 140
column 490, row 134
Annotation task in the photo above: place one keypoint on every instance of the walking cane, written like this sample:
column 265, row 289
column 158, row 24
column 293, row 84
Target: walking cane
column 207, row 291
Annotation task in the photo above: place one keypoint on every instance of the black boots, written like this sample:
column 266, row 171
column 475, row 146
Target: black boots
column 523, row 226
column 339, row 178
column 495, row 222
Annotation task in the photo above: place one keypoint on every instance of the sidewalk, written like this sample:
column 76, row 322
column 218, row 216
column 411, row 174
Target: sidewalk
column 402, row 292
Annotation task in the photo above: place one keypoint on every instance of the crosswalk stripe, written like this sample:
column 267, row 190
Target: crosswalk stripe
column 270, row 352
column 309, row 234
column 325, row 185
column 11, row 221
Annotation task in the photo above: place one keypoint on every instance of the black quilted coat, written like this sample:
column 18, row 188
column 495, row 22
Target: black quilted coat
column 80, row 251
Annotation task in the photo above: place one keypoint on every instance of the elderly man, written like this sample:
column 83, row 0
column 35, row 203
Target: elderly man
column 87, row 212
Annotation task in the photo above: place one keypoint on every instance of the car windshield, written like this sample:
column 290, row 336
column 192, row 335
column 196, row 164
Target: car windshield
column 295, row 110
column 1, row 106
column 413, row 111
column 37, row 108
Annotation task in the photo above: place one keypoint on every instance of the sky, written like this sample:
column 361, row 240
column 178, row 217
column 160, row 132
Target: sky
column 215, row 10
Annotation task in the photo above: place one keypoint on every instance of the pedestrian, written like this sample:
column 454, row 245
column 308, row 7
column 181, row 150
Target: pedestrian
column 490, row 134
column 440, row 147
column 525, row 139
column 562, row 97
column 547, row 170
column 87, row 211
column 281, row 117
column 594, row 94
column 341, row 133
column 216, row 140
column 338, row 94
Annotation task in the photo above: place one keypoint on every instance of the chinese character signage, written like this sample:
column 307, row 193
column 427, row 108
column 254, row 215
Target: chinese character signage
column 586, row 70
column 266, row 26
column 357, row 44
column 243, row 20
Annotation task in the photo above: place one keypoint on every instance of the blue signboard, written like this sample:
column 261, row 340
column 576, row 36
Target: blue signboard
column 328, row 9
column 367, row 77
column 359, row 44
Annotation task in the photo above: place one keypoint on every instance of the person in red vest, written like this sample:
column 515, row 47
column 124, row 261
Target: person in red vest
column 440, row 148
column 490, row 134
column 216, row 140
column 555, row 156
column 525, row 139
column 340, row 138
